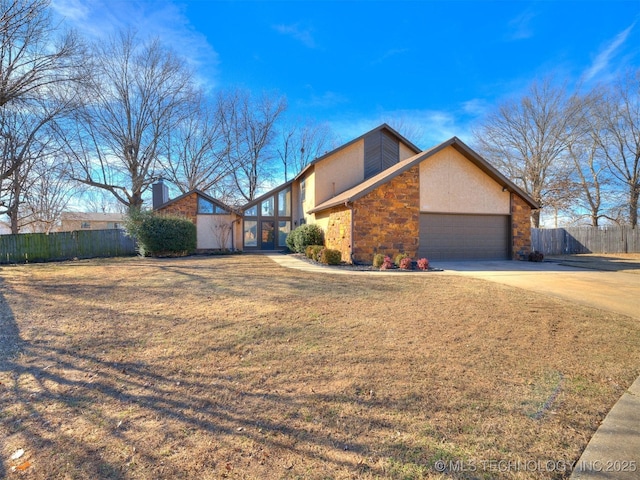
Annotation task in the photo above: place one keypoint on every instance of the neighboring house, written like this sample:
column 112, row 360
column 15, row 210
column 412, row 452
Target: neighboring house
column 5, row 228
column 380, row 194
column 71, row 221
column 218, row 226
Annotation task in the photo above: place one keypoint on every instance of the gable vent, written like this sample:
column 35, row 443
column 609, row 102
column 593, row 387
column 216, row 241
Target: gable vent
column 381, row 151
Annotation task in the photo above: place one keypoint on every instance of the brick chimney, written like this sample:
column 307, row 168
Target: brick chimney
column 160, row 194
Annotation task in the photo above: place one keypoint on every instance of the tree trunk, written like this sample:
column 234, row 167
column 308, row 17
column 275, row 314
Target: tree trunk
column 634, row 195
column 535, row 218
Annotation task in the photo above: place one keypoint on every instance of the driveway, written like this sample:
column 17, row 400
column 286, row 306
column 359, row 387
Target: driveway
column 616, row 291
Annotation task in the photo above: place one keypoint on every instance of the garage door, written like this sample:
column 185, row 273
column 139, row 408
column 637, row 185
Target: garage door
column 464, row 237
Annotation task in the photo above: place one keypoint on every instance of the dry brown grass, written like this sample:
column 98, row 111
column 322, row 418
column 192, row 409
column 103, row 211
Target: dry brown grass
column 234, row 367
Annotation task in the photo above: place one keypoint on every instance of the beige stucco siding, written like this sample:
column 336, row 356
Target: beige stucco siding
column 214, row 231
column 310, row 197
column 450, row 183
column 339, row 172
column 405, row 152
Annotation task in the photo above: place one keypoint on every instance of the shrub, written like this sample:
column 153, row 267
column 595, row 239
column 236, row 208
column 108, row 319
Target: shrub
column 423, row 264
column 313, row 251
column 303, row 236
column 536, row 257
column 399, row 257
column 387, row 264
column 406, row 263
column 378, row 259
column 162, row 235
column 330, row 257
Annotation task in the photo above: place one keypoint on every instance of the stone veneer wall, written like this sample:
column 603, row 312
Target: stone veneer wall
column 185, row 207
column 338, row 232
column 387, row 220
column 520, row 228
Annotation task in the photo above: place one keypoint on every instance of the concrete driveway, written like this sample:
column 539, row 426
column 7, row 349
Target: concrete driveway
column 616, row 291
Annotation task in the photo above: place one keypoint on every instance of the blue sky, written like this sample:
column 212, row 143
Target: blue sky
column 433, row 67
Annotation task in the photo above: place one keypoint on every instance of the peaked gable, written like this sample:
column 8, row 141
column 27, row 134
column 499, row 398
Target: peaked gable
column 385, row 176
column 391, row 137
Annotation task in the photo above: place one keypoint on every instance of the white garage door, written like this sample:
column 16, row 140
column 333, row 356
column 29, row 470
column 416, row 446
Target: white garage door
column 464, row 237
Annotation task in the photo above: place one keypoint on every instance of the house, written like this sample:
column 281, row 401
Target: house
column 5, row 228
column 218, row 226
column 71, row 221
column 379, row 193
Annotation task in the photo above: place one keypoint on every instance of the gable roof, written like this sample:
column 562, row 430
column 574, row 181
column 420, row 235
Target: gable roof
column 385, row 176
column 92, row 217
column 384, row 126
column 201, row 194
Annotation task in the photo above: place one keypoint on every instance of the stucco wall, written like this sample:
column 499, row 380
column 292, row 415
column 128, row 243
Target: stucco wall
column 339, row 172
column 405, row 152
column 450, row 183
column 214, row 231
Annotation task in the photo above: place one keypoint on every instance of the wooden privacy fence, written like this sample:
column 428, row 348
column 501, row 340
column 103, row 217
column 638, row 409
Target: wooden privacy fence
column 41, row 247
column 559, row 241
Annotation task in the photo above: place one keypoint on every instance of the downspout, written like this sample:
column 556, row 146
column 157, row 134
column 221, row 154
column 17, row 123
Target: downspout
column 233, row 244
column 350, row 207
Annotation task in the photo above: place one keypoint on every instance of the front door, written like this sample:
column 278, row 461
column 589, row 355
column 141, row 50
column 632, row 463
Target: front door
column 268, row 229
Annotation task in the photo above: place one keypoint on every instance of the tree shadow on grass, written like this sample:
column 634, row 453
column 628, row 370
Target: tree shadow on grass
column 92, row 409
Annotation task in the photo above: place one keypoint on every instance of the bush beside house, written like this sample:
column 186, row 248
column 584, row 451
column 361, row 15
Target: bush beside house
column 162, row 235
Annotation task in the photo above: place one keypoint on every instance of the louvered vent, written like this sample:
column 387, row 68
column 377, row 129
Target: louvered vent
column 381, row 151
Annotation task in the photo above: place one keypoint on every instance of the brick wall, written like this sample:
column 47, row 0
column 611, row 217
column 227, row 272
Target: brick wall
column 185, row 207
column 387, row 219
column 520, row 227
column 338, row 232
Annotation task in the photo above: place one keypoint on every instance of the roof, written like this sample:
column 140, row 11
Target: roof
column 201, row 194
column 385, row 176
column 384, row 126
column 92, row 217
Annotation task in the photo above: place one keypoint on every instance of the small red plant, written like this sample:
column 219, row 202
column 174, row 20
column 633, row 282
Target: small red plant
column 423, row 264
column 387, row 264
column 406, row 263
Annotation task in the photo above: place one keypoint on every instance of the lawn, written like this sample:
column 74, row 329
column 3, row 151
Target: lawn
column 235, row 367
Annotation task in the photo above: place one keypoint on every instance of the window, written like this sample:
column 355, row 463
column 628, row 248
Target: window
column 250, row 233
column 267, row 207
column 303, row 190
column 284, row 227
column 284, row 202
column 85, row 225
column 205, row 206
column 251, row 212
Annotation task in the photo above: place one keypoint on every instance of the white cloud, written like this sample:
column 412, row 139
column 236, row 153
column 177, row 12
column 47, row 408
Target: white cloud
column 424, row 128
column 388, row 54
column 302, row 35
column 99, row 19
column 603, row 59
column 520, row 26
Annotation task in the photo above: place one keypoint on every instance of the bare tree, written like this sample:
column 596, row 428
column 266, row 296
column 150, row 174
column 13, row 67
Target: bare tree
column 32, row 53
column 197, row 149
column 301, row 143
column 27, row 138
column 47, row 196
column 249, row 128
column 527, row 140
column 36, row 61
column 617, row 133
column 132, row 100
